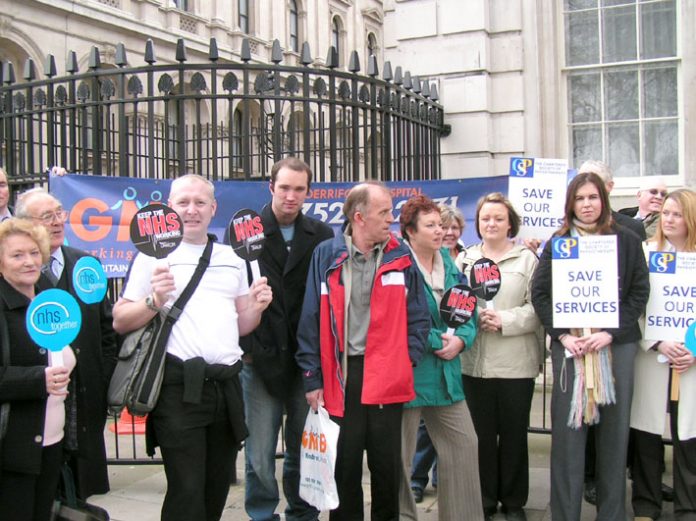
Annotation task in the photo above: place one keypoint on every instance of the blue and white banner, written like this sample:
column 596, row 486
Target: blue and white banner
column 101, row 208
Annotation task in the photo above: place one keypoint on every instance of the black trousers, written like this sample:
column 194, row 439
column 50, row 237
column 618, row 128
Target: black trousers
column 30, row 497
column 376, row 430
column 197, row 446
column 500, row 411
column 647, row 468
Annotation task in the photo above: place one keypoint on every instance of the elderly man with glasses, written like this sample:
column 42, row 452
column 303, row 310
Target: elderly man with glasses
column 651, row 195
column 95, row 349
column 5, row 209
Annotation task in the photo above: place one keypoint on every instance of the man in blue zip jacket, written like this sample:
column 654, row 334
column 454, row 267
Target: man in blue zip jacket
column 364, row 325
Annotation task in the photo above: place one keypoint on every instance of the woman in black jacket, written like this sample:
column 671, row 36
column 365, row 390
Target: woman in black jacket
column 31, row 452
column 587, row 212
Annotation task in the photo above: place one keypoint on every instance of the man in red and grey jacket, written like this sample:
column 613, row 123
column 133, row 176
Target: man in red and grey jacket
column 363, row 327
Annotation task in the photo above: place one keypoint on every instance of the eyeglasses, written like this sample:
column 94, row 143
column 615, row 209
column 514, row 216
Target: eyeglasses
column 48, row 217
column 655, row 191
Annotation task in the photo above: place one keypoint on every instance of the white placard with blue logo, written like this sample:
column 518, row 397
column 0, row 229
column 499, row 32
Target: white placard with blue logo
column 585, row 277
column 53, row 321
column 672, row 305
column 89, row 280
column 537, row 189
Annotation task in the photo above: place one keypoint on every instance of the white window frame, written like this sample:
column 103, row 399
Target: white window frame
column 187, row 9
column 247, row 16
column 340, row 30
column 298, row 26
column 623, row 185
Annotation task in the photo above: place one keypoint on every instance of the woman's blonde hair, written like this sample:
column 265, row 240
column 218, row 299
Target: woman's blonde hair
column 450, row 214
column 37, row 233
column 686, row 199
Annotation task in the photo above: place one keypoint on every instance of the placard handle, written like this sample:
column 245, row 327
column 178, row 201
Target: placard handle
column 589, row 364
column 674, row 388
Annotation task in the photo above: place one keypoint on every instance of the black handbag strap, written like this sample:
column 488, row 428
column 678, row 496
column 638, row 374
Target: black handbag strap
column 4, row 361
column 4, row 337
column 178, row 307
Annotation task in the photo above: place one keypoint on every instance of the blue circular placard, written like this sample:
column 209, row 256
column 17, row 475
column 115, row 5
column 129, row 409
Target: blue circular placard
column 89, row 280
column 53, row 319
column 690, row 339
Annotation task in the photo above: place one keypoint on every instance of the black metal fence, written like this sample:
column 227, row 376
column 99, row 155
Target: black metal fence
column 221, row 119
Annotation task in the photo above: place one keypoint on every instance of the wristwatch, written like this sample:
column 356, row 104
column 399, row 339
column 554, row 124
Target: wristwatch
column 150, row 303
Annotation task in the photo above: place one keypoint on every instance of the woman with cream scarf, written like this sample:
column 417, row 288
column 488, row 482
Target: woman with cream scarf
column 587, row 212
column 654, row 400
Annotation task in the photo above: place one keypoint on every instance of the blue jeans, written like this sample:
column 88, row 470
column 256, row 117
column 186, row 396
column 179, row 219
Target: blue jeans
column 424, row 458
column 264, row 415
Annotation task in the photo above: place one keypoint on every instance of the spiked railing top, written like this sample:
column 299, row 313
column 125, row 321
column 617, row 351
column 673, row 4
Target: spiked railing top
column 395, row 76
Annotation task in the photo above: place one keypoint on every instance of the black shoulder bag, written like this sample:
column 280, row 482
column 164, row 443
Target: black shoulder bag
column 138, row 375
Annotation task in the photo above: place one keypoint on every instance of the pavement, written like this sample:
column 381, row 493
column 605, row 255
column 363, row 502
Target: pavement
column 137, row 491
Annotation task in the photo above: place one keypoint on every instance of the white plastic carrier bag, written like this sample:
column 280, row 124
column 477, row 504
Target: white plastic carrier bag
column 318, row 460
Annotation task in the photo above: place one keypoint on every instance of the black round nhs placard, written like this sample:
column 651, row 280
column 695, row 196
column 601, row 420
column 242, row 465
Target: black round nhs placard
column 156, row 230
column 246, row 234
column 457, row 305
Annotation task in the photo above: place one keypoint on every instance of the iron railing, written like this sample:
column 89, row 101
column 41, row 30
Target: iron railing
column 221, row 119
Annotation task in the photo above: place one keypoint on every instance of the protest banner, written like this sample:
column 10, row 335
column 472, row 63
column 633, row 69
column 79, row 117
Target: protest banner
column 101, row 208
column 537, row 189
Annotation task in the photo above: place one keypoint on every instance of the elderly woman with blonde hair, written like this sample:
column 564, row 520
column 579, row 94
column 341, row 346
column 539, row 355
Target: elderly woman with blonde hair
column 32, row 391
column 453, row 225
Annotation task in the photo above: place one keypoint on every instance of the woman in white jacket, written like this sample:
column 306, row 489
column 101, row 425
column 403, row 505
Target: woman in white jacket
column 499, row 370
column 676, row 232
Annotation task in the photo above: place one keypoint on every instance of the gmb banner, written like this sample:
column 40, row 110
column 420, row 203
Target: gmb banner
column 101, row 208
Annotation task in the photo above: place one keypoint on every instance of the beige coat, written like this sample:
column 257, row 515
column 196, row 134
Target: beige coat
column 517, row 350
column 650, row 391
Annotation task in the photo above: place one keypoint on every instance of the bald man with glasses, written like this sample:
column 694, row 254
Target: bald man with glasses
column 651, row 195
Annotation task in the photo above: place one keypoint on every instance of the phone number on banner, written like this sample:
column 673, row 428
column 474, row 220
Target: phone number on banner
column 332, row 212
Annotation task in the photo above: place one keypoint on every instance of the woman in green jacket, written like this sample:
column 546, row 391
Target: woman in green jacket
column 439, row 392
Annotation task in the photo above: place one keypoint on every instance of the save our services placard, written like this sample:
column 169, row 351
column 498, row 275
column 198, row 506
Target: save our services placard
column 585, row 278
column 537, row 189
column 672, row 304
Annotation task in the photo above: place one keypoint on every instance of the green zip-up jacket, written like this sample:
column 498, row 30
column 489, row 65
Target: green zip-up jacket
column 439, row 382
